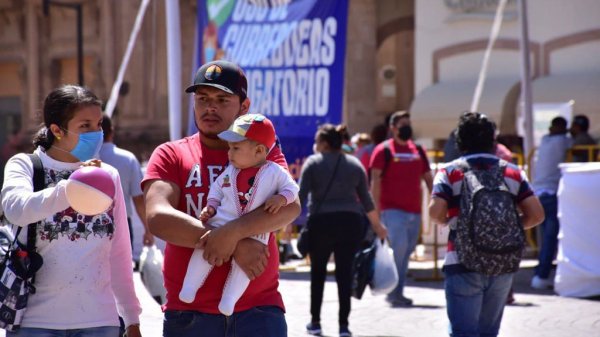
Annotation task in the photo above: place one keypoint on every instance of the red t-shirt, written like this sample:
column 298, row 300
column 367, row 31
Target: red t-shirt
column 193, row 167
column 401, row 184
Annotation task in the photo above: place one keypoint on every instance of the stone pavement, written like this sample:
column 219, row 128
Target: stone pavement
column 536, row 313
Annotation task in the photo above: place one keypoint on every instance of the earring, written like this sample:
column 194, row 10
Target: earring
column 57, row 137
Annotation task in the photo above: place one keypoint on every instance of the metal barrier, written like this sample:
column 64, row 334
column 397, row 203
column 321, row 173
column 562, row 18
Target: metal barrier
column 592, row 152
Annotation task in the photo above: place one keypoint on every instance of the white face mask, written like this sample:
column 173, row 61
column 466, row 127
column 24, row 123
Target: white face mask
column 314, row 148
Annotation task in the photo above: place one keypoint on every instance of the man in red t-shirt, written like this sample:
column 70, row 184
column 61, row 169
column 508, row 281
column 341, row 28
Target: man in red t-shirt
column 396, row 188
column 176, row 184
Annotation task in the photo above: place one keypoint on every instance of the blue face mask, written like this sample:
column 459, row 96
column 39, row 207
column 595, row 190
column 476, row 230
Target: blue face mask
column 88, row 145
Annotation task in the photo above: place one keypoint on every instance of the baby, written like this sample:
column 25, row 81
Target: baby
column 248, row 182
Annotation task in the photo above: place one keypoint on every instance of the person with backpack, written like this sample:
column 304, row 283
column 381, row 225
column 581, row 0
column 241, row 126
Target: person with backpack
column 487, row 203
column 398, row 166
column 85, row 280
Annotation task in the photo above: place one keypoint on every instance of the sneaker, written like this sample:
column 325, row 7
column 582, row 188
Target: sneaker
column 313, row 329
column 541, row 283
column 344, row 332
column 399, row 301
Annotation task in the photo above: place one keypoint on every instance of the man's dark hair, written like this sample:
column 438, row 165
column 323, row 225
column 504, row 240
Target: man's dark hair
column 475, row 133
column 107, row 127
column 398, row 115
column 582, row 121
column 559, row 122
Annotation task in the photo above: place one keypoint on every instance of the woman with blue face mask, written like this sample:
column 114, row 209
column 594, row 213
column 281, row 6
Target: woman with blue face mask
column 85, row 282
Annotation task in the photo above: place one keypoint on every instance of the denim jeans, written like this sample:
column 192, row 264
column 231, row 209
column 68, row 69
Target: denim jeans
column 550, row 228
column 403, row 232
column 102, row 331
column 267, row 321
column 475, row 303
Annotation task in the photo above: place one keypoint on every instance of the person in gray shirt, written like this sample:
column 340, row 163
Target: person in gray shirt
column 546, row 176
column 339, row 194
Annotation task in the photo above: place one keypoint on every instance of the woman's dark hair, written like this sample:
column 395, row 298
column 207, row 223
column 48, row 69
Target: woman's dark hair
column 379, row 133
column 333, row 135
column 475, row 133
column 59, row 108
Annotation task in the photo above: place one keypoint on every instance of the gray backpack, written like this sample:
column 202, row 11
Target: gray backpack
column 489, row 234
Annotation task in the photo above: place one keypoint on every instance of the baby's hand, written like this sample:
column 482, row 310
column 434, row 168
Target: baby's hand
column 207, row 213
column 274, row 203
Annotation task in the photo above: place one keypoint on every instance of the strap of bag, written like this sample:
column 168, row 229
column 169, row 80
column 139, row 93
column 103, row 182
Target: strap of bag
column 337, row 163
column 387, row 156
column 38, row 185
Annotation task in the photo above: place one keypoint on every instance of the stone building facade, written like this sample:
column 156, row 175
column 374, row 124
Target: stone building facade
column 38, row 52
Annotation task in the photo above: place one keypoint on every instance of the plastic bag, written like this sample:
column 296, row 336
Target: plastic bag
column 385, row 276
column 151, row 264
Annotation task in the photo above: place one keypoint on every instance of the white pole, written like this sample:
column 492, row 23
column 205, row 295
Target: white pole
column 174, row 67
column 526, row 80
column 114, row 93
column 486, row 57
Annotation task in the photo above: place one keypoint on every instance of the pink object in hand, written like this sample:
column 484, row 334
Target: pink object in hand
column 90, row 190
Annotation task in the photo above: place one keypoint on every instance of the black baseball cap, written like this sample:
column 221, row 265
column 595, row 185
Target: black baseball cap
column 223, row 75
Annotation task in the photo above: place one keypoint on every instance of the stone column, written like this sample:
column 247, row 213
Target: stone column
column 107, row 45
column 360, row 73
column 32, row 61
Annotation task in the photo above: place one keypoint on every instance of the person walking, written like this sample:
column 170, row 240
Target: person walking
column 86, row 280
column 480, row 262
column 546, row 176
column 337, row 185
column 177, row 181
column 398, row 166
column 131, row 176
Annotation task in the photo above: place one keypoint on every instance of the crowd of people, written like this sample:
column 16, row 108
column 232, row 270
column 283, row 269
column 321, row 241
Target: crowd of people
column 217, row 198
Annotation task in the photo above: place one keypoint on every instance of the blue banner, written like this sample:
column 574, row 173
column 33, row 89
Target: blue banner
column 293, row 55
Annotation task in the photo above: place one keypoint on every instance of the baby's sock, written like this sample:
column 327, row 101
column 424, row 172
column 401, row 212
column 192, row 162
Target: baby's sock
column 187, row 294
column 227, row 305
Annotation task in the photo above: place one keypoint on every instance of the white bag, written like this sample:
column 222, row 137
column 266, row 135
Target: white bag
column 151, row 264
column 385, row 277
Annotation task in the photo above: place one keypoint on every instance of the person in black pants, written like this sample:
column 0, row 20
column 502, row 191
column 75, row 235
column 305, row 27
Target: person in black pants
column 339, row 194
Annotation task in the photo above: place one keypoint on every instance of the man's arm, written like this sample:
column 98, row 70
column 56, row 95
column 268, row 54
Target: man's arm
column 163, row 218
column 138, row 202
column 219, row 244
column 438, row 209
column 533, row 212
column 376, row 187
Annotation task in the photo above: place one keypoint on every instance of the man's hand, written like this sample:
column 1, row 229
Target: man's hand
column 207, row 213
column 133, row 331
column 252, row 256
column 274, row 203
column 218, row 244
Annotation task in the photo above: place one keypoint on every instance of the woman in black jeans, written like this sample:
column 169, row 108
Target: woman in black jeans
column 339, row 194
